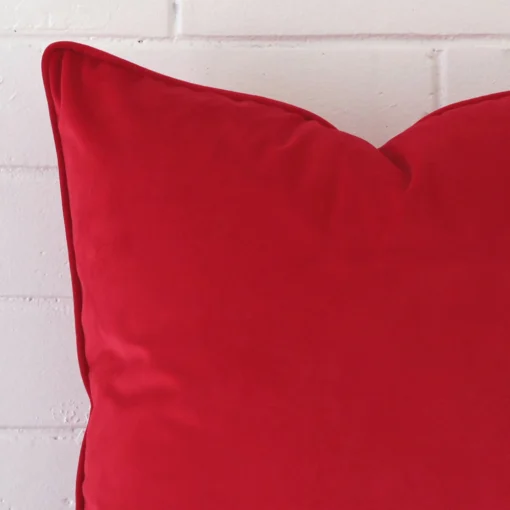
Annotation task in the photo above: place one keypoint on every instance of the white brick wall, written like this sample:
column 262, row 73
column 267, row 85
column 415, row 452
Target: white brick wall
column 474, row 71
column 370, row 67
column 102, row 17
column 327, row 17
column 37, row 468
column 33, row 257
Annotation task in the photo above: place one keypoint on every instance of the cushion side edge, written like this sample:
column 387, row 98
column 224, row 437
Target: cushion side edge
column 51, row 73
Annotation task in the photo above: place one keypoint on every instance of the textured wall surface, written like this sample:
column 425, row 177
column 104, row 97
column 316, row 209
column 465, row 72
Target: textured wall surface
column 370, row 67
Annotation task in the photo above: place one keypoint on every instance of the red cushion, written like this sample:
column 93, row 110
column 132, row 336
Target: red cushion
column 275, row 315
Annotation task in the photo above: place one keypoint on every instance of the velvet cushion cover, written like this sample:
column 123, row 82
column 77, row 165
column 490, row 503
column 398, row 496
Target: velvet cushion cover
column 275, row 315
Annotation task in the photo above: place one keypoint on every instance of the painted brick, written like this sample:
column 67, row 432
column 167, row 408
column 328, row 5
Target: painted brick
column 24, row 125
column 472, row 72
column 38, row 469
column 39, row 374
column 326, row 17
column 104, row 17
column 33, row 256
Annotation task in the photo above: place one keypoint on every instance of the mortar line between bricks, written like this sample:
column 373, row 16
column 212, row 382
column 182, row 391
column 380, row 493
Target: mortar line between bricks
column 378, row 37
column 176, row 26
column 436, row 77
column 30, row 299
column 42, row 428
column 26, row 168
column 274, row 40
column 78, row 36
column 442, row 82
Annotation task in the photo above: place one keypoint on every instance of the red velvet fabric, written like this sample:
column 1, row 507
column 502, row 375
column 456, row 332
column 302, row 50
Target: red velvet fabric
column 275, row 315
